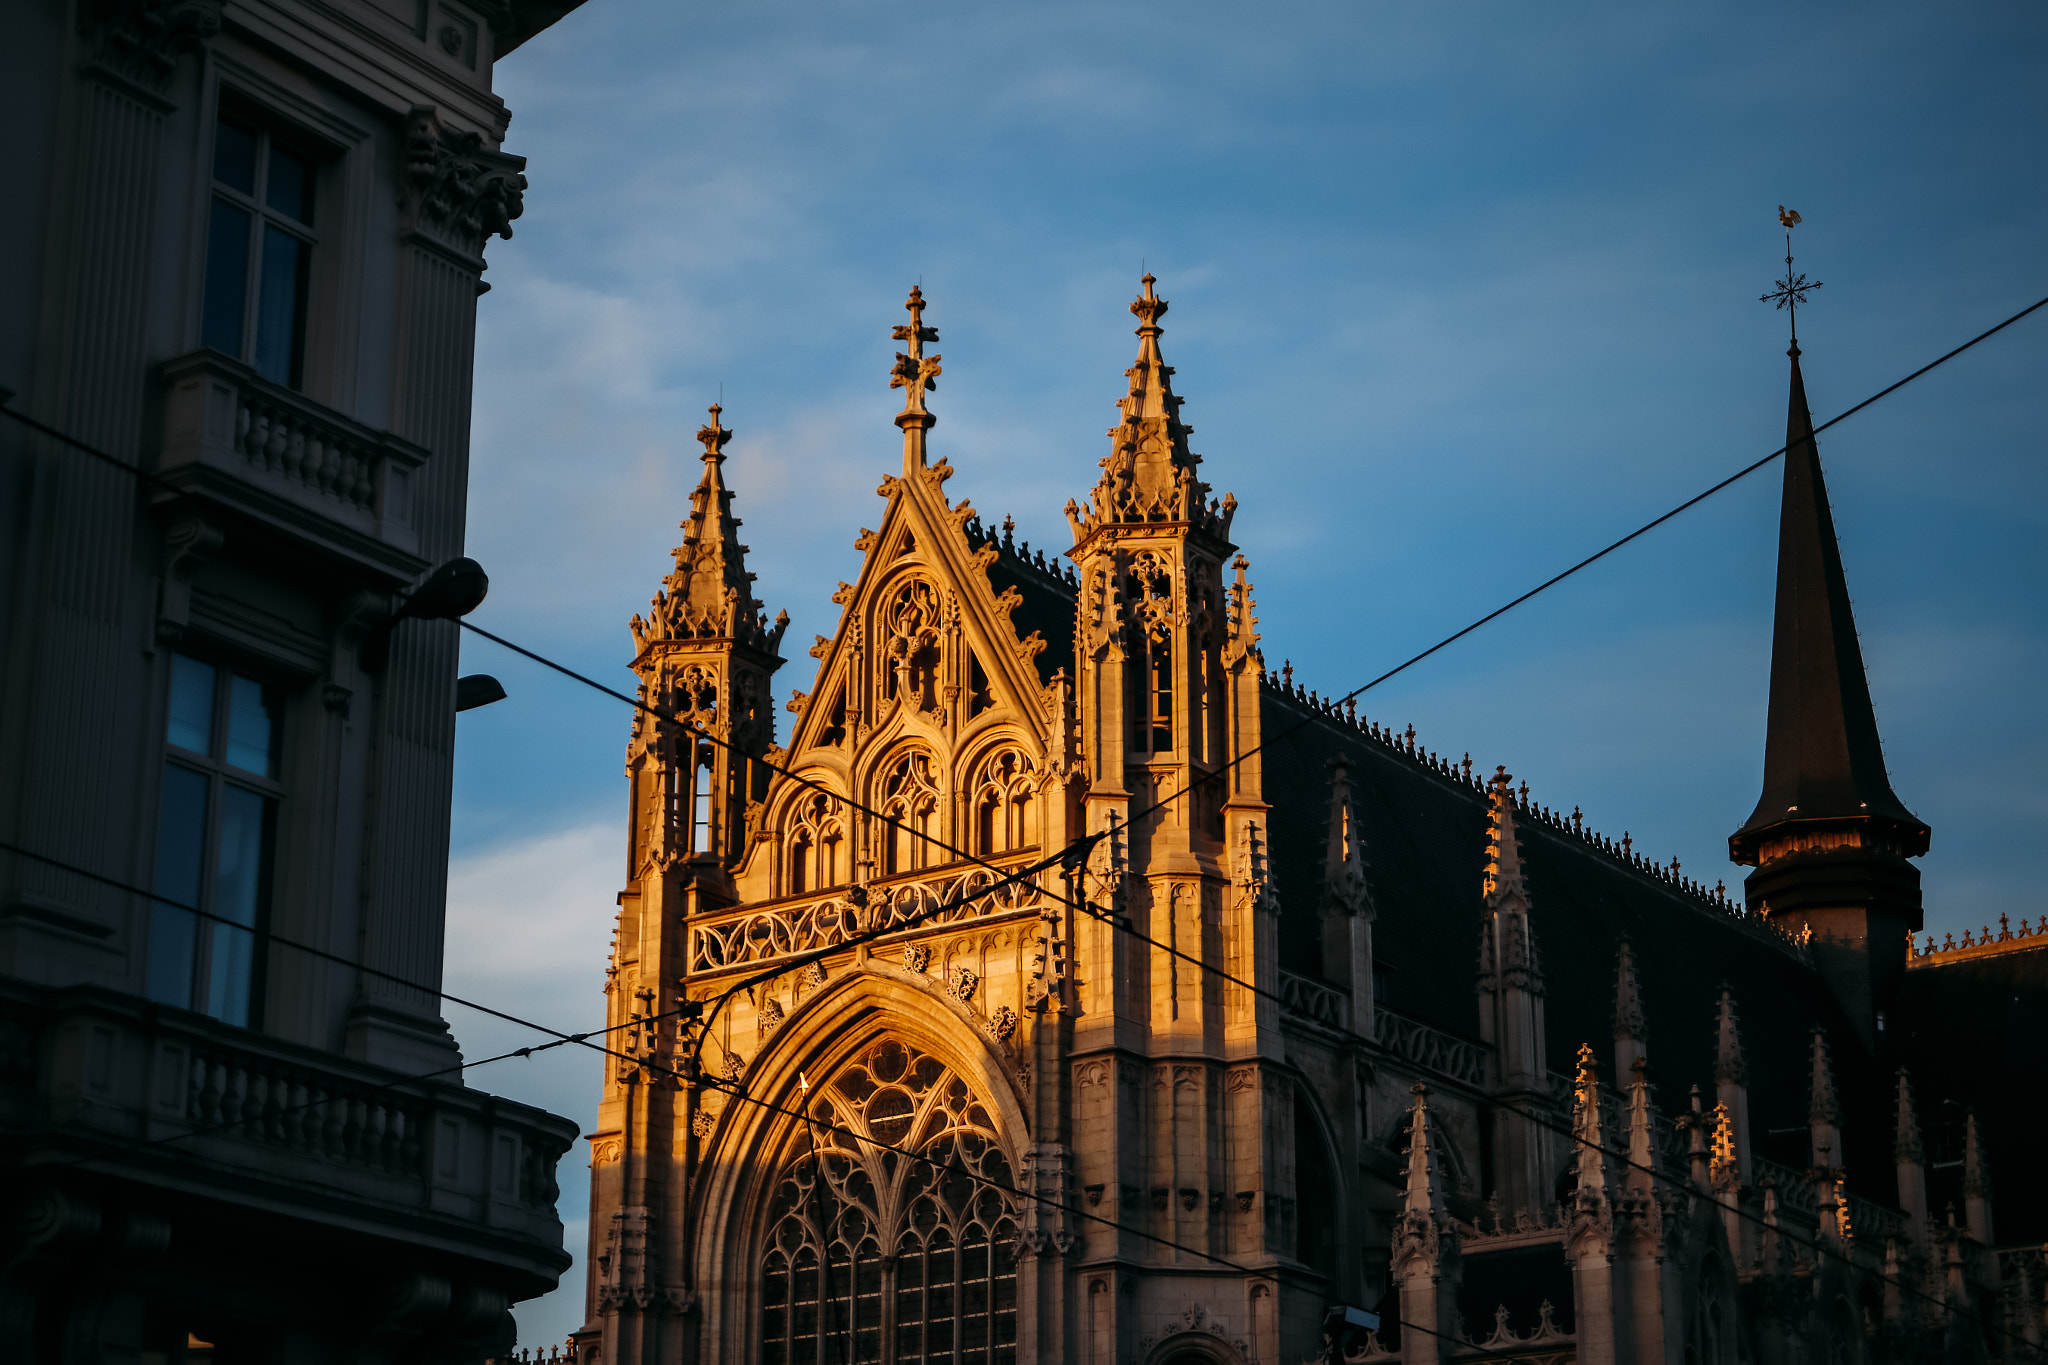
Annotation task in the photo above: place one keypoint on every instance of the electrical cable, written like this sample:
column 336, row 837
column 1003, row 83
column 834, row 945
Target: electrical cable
column 1088, row 840
column 738, row 1091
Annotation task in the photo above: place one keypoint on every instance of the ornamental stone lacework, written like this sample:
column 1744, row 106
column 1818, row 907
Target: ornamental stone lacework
column 764, row 935
column 871, row 1255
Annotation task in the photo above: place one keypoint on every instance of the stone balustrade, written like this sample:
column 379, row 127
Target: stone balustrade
column 152, row 1094
column 1432, row 1050
column 263, row 451
column 1317, row 1000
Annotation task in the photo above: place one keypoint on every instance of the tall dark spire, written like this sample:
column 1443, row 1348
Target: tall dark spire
column 1823, row 760
column 1829, row 838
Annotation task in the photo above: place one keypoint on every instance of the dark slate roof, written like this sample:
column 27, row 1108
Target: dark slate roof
column 1048, row 588
column 1822, row 757
column 1424, row 827
column 1974, row 1032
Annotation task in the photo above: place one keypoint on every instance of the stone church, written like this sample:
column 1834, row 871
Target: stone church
column 1070, row 986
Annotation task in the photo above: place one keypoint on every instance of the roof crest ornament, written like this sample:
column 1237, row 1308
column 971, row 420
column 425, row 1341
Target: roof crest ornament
column 1793, row 289
column 914, row 372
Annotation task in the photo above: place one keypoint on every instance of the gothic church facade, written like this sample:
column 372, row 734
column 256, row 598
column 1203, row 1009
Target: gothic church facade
column 1070, row 986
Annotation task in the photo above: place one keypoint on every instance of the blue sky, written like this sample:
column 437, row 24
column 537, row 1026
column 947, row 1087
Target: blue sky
column 1460, row 292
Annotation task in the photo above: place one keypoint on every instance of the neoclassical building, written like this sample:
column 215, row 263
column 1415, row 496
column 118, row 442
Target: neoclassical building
column 1070, row 986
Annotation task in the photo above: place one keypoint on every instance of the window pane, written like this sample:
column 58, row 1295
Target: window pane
column 234, row 157
column 227, row 279
column 289, row 189
column 240, row 885
column 281, row 307
column 180, row 851
column 191, row 723
column 252, row 727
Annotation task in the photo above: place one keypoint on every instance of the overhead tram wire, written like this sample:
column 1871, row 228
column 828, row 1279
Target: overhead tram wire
column 734, row 1089
column 738, row 1091
column 1088, row 840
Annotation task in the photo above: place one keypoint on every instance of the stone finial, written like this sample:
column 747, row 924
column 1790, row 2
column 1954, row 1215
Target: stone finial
column 1344, row 885
column 914, row 372
column 1725, row 1162
column 1631, row 1031
column 1976, row 1180
column 1589, row 1135
column 1824, row 1105
column 1504, row 886
column 1645, row 1153
column 1424, row 1191
column 1907, row 1146
column 1730, row 1066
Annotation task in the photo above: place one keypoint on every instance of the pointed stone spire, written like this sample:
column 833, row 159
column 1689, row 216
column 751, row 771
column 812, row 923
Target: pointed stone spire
column 1591, row 1156
column 1910, row 1153
column 709, row 595
column 1149, row 474
column 1505, row 889
column 1698, row 1130
column 1425, row 1265
column 1631, row 1032
column 1976, row 1181
column 1344, row 887
column 1823, row 1105
column 1731, row 1078
column 1423, row 1195
column 1645, row 1154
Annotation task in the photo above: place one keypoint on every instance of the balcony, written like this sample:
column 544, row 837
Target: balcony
column 259, row 450
column 244, row 1130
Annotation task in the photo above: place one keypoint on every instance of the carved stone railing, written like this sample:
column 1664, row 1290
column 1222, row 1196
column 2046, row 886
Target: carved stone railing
column 1431, row 1049
column 154, row 1095
column 1796, row 1193
column 1318, row 1000
column 768, row 932
column 234, row 438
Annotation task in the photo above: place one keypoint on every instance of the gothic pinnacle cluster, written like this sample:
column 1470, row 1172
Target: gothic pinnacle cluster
column 709, row 595
column 1149, row 473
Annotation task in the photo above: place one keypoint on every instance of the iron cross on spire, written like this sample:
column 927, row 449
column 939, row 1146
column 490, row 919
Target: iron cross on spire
column 915, row 371
column 1793, row 289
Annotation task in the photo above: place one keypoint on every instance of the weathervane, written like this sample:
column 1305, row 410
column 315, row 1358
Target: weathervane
column 1793, row 289
column 916, row 371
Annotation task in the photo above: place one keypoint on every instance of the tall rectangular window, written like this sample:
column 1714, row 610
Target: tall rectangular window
column 259, row 250
column 216, row 841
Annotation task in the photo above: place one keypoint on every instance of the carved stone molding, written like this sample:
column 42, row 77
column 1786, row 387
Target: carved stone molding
column 141, row 40
column 453, row 189
column 190, row 543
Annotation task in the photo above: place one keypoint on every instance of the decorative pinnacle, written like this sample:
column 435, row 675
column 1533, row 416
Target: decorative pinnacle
column 714, row 436
column 914, row 371
column 1148, row 307
column 1793, row 289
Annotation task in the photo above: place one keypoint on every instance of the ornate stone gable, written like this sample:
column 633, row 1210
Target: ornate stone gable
column 927, row 698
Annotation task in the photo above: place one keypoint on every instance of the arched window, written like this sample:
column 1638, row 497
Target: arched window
column 815, row 846
column 1707, row 1337
column 910, row 631
column 910, row 800
column 874, row 1256
column 1005, row 804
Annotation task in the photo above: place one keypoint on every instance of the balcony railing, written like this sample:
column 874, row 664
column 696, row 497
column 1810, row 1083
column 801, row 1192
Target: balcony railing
column 234, row 438
column 1318, row 1000
column 162, row 1096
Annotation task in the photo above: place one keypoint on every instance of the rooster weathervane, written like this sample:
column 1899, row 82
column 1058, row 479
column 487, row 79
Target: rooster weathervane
column 1793, row 289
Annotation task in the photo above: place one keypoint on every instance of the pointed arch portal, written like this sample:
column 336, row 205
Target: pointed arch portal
column 870, row 1256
